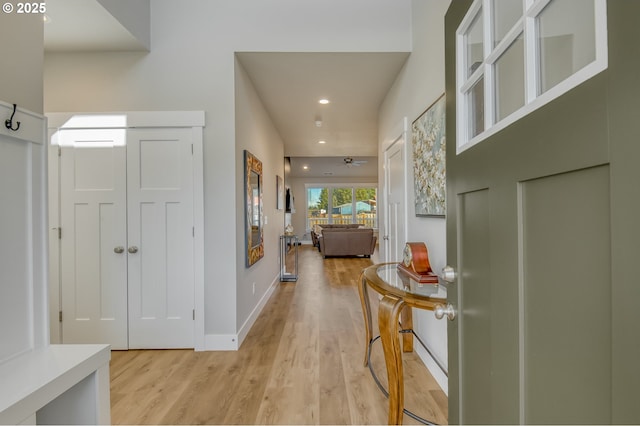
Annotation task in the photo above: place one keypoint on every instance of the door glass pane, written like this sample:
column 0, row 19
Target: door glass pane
column 473, row 41
column 566, row 40
column 509, row 80
column 505, row 15
column 366, row 207
column 475, row 103
column 316, row 207
column 341, row 205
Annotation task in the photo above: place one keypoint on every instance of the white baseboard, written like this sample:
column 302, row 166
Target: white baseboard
column 232, row 342
column 433, row 368
column 221, row 342
column 244, row 330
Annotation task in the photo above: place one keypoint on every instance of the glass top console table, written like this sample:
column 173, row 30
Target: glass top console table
column 399, row 294
column 289, row 257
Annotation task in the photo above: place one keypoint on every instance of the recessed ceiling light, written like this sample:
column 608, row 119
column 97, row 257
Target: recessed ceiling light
column 323, row 101
column 305, row 167
column 322, row 142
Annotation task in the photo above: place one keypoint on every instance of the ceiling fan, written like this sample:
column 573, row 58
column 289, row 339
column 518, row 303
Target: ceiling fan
column 350, row 162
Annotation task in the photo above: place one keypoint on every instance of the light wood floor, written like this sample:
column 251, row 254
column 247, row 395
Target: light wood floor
column 302, row 363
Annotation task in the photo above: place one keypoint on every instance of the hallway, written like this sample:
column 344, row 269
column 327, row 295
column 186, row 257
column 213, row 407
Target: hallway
column 300, row 364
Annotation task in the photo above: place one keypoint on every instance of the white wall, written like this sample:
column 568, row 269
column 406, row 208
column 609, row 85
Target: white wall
column 255, row 132
column 22, row 53
column 191, row 67
column 418, row 85
column 135, row 16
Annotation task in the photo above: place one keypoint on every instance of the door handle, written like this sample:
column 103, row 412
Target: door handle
column 133, row 249
column 386, row 238
column 449, row 274
column 118, row 249
column 440, row 311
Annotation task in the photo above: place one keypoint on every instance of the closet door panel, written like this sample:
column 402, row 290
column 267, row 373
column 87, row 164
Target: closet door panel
column 93, row 237
column 160, row 218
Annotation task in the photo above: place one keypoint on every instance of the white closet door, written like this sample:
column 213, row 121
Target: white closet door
column 395, row 201
column 93, row 223
column 160, row 238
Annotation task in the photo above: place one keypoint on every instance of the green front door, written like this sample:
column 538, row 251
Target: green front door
column 542, row 230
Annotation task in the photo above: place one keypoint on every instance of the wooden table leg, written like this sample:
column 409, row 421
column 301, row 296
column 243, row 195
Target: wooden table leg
column 388, row 317
column 406, row 319
column 366, row 311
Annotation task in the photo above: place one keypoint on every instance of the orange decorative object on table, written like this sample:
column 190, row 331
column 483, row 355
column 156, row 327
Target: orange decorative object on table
column 415, row 263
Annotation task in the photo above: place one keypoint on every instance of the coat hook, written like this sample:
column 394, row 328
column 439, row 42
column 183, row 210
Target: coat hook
column 9, row 122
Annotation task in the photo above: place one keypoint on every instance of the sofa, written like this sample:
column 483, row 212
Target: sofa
column 347, row 242
column 316, row 231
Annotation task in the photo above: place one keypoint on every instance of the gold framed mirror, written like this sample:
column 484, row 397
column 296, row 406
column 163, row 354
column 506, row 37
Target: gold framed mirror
column 253, row 208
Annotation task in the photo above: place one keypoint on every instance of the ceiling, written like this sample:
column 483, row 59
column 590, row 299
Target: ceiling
column 289, row 85
column 323, row 167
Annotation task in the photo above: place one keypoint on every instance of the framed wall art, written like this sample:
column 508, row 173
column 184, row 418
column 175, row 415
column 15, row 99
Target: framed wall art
column 429, row 160
column 254, row 219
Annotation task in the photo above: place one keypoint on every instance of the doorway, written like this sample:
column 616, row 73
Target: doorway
column 395, row 197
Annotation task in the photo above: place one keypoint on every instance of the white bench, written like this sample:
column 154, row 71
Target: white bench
column 56, row 384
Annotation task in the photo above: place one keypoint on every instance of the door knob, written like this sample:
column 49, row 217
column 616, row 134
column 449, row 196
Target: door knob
column 440, row 311
column 118, row 249
column 386, row 238
column 449, row 274
column 133, row 249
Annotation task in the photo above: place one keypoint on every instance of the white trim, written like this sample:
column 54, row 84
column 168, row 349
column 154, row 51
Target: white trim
column 246, row 327
column 402, row 132
column 434, row 369
column 400, row 128
column 221, row 342
column 86, row 120
column 536, row 7
column 31, row 124
column 408, row 171
column 533, row 101
column 53, row 207
column 581, row 76
column 530, row 60
column 601, row 34
column 198, row 240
